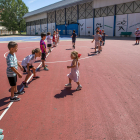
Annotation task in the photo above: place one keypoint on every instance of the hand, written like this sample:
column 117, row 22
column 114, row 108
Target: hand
column 68, row 66
column 19, row 75
column 91, row 41
column 21, row 68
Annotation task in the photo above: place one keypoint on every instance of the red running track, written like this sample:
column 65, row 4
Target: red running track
column 108, row 106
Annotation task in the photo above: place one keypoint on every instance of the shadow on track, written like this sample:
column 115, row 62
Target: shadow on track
column 64, row 93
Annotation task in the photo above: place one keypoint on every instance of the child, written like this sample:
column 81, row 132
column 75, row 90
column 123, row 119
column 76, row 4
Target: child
column 54, row 40
column 58, row 34
column 27, row 64
column 57, row 37
column 12, row 66
column 74, row 75
column 103, row 37
column 49, row 41
column 137, row 33
column 43, row 49
column 73, row 38
column 97, row 39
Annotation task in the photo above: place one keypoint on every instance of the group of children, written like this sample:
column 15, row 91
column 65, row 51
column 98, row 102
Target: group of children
column 27, row 64
column 99, row 38
column 137, row 33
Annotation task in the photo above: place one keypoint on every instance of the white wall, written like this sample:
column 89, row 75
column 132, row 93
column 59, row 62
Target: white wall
column 44, row 28
column 103, row 3
column 36, row 17
column 121, row 24
column 38, row 30
column 98, row 22
column 89, row 26
column 51, row 27
column 82, row 24
column 28, row 30
column 108, row 25
column 133, row 22
column 33, row 30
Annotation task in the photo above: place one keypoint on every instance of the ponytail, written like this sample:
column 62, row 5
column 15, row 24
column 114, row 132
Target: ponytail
column 37, row 50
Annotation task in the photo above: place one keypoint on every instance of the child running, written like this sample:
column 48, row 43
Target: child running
column 49, row 41
column 27, row 64
column 12, row 67
column 97, row 39
column 74, row 75
column 103, row 37
column 43, row 49
column 73, row 39
column 137, row 33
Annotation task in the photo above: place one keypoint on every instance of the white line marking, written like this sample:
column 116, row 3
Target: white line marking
column 10, row 104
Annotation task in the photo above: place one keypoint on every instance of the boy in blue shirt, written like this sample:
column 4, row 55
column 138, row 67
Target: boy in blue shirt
column 12, row 66
column 73, row 38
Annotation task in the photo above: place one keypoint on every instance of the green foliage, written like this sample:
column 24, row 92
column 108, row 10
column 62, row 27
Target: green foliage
column 12, row 14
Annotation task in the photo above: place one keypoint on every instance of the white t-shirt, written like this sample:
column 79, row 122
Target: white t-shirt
column 49, row 39
column 137, row 32
column 29, row 59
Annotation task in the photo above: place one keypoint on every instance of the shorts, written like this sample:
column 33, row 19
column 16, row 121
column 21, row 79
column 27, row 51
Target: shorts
column 97, row 44
column 73, row 40
column 12, row 81
column 25, row 68
column 103, row 38
column 49, row 45
column 137, row 38
column 43, row 56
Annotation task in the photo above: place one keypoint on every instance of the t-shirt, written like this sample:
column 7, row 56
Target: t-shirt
column 137, row 32
column 49, row 39
column 11, row 62
column 103, row 35
column 54, row 38
column 42, row 42
column 97, row 37
column 74, row 36
column 29, row 59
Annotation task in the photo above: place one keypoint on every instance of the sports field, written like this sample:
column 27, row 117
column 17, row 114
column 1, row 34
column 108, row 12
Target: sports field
column 107, row 107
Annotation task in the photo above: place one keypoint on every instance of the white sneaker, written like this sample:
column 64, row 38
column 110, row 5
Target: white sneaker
column 68, row 85
column 79, row 87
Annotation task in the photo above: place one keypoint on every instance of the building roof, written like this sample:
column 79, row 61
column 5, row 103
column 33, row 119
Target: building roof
column 55, row 6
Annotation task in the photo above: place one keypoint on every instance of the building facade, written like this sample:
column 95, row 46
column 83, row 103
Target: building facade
column 84, row 16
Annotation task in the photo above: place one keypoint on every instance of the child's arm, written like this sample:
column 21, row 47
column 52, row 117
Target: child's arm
column 15, row 71
column 28, row 70
column 78, row 64
column 71, row 36
column 93, row 40
column 21, row 68
column 74, row 64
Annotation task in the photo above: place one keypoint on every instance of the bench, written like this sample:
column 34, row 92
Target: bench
column 126, row 33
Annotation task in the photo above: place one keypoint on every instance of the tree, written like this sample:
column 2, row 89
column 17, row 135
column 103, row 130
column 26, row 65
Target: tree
column 12, row 14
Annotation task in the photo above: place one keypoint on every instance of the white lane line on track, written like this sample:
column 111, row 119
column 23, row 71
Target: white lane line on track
column 10, row 104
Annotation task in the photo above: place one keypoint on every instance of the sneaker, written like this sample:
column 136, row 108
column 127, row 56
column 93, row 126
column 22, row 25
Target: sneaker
column 46, row 69
column 1, row 137
column 19, row 93
column 98, row 51
column 45, row 66
column 25, row 84
column 73, row 46
column 36, row 77
column 68, row 85
column 135, row 44
column 79, row 87
column 1, row 131
column 14, row 99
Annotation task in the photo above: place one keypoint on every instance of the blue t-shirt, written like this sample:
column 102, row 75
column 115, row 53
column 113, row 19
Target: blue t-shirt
column 11, row 62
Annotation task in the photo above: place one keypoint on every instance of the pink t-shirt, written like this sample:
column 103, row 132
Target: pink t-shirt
column 42, row 42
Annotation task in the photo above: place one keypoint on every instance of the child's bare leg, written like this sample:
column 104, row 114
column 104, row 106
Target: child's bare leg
column 12, row 91
column 69, row 81
column 78, row 83
column 27, row 77
column 43, row 64
column 16, row 88
column 34, row 71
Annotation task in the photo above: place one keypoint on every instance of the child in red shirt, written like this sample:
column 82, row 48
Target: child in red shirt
column 54, row 40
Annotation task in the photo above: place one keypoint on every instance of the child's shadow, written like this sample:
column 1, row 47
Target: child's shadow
column 92, row 54
column 65, row 92
column 68, row 49
column 4, row 101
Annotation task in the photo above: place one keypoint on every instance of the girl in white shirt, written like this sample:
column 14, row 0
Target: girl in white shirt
column 49, row 41
column 27, row 64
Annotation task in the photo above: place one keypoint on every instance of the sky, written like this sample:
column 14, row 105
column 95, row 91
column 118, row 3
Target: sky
column 36, row 4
